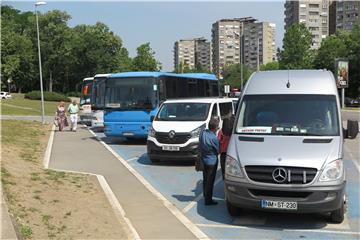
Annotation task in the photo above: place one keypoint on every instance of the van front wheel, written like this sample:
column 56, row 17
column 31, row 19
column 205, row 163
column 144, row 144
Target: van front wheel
column 233, row 210
column 337, row 216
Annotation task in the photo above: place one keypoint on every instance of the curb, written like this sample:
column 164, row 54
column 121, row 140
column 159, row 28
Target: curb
column 118, row 210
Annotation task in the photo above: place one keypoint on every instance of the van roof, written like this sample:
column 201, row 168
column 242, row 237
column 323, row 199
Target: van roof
column 300, row 82
column 200, row 100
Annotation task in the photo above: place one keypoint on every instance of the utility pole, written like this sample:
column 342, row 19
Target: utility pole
column 241, row 56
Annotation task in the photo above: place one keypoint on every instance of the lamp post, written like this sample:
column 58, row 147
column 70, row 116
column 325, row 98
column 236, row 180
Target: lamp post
column 40, row 70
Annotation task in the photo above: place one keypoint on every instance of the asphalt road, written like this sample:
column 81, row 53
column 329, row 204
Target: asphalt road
column 182, row 186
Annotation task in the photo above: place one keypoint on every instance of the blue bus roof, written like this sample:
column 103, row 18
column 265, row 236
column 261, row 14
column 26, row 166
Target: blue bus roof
column 206, row 76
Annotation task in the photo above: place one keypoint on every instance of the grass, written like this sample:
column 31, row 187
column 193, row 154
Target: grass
column 20, row 106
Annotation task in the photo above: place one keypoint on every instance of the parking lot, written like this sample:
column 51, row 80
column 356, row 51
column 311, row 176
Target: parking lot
column 182, row 186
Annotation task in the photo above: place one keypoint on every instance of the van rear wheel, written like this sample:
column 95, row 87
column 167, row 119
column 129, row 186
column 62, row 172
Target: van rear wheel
column 233, row 210
column 337, row 216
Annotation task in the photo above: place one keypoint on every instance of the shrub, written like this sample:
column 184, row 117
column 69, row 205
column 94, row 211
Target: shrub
column 73, row 94
column 48, row 96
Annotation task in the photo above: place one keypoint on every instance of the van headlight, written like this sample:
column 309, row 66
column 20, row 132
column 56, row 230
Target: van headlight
column 151, row 132
column 232, row 167
column 332, row 171
column 197, row 131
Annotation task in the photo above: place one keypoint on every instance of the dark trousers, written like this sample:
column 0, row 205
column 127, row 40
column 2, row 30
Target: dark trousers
column 209, row 174
column 222, row 163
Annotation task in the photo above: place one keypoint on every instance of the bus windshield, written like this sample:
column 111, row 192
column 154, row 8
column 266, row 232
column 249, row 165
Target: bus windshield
column 130, row 93
column 302, row 115
column 86, row 93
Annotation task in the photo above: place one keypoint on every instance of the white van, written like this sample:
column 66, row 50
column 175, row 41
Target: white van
column 286, row 150
column 174, row 134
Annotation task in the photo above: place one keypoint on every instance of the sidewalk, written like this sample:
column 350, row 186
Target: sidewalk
column 81, row 151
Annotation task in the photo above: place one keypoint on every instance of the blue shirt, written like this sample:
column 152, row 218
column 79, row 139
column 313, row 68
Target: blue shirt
column 209, row 147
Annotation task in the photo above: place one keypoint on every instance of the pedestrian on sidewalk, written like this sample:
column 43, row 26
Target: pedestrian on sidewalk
column 209, row 147
column 60, row 116
column 73, row 110
column 224, row 137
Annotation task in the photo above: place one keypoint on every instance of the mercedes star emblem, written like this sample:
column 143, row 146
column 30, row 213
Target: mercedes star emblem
column 172, row 134
column 279, row 175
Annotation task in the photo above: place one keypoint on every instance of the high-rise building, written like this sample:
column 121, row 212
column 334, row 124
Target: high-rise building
column 347, row 14
column 259, row 43
column 227, row 48
column 314, row 14
column 192, row 53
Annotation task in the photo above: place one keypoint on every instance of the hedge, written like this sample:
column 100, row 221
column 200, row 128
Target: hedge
column 73, row 94
column 48, row 96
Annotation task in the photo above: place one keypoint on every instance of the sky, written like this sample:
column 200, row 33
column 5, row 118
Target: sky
column 162, row 22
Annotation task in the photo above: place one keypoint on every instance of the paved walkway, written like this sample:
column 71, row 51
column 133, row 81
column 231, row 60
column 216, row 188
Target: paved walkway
column 81, row 151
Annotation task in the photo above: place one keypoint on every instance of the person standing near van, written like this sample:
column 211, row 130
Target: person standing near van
column 73, row 110
column 224, row 138
column 209, row 148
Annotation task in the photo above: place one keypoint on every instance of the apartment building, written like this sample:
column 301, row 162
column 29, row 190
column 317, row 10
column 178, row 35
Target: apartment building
column 227, row 47
column 259, row 43
column 314, row 14
column 347, row 14
column 192, row 53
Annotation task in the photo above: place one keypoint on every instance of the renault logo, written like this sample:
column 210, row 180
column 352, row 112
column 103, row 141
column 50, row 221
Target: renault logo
column 279, row 175
column 172, row 134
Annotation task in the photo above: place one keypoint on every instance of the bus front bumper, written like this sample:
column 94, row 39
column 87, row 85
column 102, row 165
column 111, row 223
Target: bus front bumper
column 128, row 130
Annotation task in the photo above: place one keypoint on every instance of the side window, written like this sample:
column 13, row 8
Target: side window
column 214, row 111
column 225, row 109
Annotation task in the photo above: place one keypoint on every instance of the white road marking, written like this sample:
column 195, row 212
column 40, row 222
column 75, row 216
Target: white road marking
column 171, row 207
column 118, row 210
column 352, row 158
column 283, row 230
column 193, row 202
column 132, row 159
column 47, row 155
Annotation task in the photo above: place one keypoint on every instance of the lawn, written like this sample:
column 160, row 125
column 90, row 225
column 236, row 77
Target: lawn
column 47, row 204
column 20, row 106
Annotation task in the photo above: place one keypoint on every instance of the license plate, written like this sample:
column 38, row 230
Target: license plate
column 128, row 134
column 171, row 148
column 279, row 204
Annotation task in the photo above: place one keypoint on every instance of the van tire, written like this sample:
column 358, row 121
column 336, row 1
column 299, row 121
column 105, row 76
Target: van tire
column 233, row 210
column 337, row 216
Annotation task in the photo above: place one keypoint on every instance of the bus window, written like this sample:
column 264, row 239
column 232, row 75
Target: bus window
column 86, row 90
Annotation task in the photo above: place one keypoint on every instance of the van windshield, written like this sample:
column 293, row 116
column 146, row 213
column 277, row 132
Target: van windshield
column 307, row 115
column 183, row 112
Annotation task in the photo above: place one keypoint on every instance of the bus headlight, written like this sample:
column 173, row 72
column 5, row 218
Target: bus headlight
column 197, row 131
column 151, row 132
column 232, row 167
column 332, row 171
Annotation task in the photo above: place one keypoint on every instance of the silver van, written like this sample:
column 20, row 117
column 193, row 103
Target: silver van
column 286, row 150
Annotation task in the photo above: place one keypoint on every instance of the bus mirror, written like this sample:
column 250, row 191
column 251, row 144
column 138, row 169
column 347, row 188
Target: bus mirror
column 352, row 129
column 155, row 87
column 152, row 118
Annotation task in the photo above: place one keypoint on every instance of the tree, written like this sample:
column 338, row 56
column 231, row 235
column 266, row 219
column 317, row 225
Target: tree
column 270, row 66
column 331, row 48
column 296, row 53
column 354, row 62
column 145, row 59
column 232, row 74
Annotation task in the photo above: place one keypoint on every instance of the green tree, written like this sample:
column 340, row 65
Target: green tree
column 332, row 47
column 145, row 59
column 296, row 53
column 231, row 75
column 354, row 62
column 270, row 66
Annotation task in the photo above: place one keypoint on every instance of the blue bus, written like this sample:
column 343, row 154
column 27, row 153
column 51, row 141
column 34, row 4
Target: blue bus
column 132, row 99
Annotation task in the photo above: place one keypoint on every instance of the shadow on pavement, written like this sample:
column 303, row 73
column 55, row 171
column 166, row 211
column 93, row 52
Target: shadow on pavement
column 146, row 161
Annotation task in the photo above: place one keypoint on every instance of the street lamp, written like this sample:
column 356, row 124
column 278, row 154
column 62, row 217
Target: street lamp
column 40, row 70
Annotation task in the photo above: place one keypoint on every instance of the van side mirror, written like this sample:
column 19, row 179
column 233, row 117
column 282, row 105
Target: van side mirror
column 352, row 129
column 152, row 118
